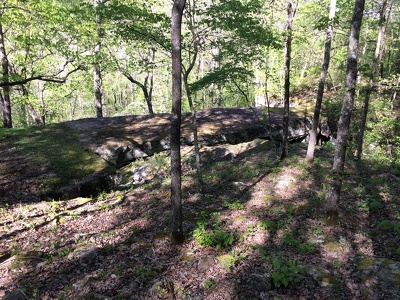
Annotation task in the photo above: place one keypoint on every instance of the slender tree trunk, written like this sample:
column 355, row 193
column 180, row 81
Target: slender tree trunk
column 321, row 85
column 266, row 94
column 195, row 133
column 148, row 83
column 6, row 101
column 97, row 80
column 32, row 112
column 145, row 91
column 385, row 20
column 192, row 105
column 176, row 196
column 395, row 93
column 375, row 63
column 288, row 50
column 1, row 102
column 333, row 195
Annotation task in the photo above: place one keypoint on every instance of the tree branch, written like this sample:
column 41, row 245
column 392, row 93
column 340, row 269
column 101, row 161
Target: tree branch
column 46, row 78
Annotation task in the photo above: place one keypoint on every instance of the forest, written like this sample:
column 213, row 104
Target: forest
column 269, row 217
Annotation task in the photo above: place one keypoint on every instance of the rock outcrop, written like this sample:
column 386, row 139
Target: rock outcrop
column 120, row 140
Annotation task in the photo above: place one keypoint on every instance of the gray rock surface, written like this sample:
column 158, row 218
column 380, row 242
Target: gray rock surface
column 380, row 277
column 120, row 140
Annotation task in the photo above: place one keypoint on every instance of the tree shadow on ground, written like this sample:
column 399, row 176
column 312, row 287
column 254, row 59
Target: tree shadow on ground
column 133, row 258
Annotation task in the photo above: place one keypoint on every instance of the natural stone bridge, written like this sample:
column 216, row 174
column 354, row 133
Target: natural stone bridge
column 120, row 140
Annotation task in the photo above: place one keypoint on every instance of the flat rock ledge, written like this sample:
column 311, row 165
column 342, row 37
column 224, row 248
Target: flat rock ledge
column 121, row 140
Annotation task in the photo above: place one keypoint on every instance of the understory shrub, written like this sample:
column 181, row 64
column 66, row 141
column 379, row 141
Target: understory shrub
column 209, row 233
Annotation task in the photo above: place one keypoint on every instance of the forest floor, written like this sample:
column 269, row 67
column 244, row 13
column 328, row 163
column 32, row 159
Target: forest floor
column 257, row 232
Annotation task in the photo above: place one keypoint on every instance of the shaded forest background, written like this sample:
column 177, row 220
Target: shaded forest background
column 256, row 229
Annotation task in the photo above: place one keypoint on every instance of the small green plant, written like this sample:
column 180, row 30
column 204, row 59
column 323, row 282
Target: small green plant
column 208, row 283
column 104, row 206
column 102, row 195
column 230, row 260
column 121, row 197
column 337, row 263
column 369, row 204
column 290, row 240
column 108, row 248
column 251, row 229
column 389, row 225
column 64, row 252
column 249, row 173
column 74, row 213
column 53, row 245
column 306, row 247
column 235, row 205
column 317, row 229
column 321, row 194
column 143, row 273
column 267, row 224
column 55, row 205
column 35, row 293
column 285, row 272
column 146, row 215
column 212, row 235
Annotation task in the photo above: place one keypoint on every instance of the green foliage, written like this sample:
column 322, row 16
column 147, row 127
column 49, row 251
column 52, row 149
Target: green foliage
column 209, row 233
column 51, row 149
column 306, row 248
column 370, row 204
column 290, row 240
column 285, row 272
column 234, row 205
column 64, row 251
column 208, row 283
column 229, row 260
column 389, row 225
column 102, row 195
column 143, row 273
column 104, row 206
column 267, row 224
column 226, row 73
column 55, row 206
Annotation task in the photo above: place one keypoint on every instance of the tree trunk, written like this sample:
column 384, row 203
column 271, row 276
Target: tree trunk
column 321, row 85
column 32, row 111
column 333, row 195
column 97, row 82
column 395, row 93
column 288, row 50
column 147, row 87
column 383, row 26
column 192, row 105
column 375, row 63
column 176, row 197
column 145, row 90
column 6, row 101
column 266, row 94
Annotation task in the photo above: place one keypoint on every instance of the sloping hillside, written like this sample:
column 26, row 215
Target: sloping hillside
column 257, row 231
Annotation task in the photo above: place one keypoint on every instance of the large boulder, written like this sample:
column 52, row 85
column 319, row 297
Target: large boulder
column 380, row 277
column 120, row 140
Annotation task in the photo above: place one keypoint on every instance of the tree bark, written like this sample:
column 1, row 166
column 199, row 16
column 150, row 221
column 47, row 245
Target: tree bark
column 381, row 54
column 333, row 195
column 97, row 81
column 321, row 85
column 151, row 81
column 145, row 90
column 192, row 105
column 32, row 111
column 375, row 63
column 6, row 101
column 288, row 50
column 176, row 197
